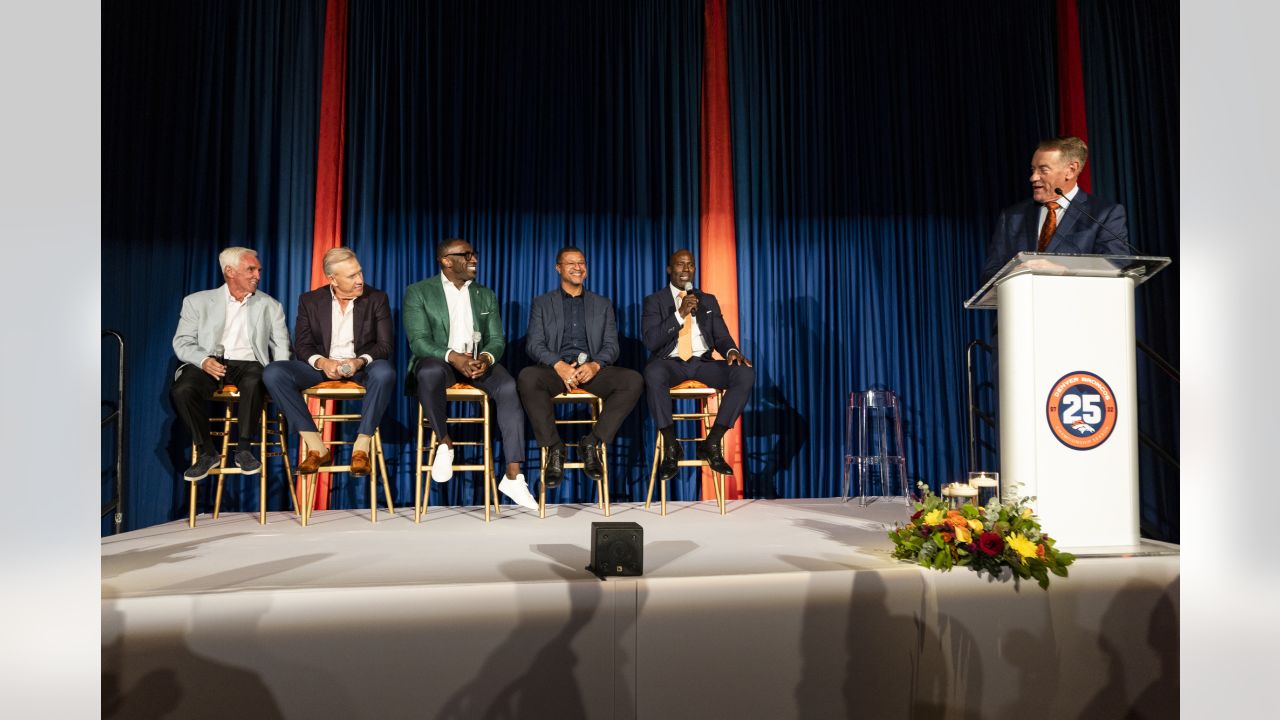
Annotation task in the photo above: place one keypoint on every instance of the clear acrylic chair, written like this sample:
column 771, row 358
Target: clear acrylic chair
column 873, row 440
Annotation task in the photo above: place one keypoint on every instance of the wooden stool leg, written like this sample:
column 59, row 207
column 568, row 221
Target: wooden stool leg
column 653, row 472
column 542, row 485
column 284, row 456
column 262, row 472
column 604, row 483
column 222, row 462
column 490, row 488
column 382, row 463
column 417, row 469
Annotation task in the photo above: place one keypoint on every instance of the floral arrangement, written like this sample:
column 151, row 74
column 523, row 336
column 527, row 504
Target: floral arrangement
column 990, row 538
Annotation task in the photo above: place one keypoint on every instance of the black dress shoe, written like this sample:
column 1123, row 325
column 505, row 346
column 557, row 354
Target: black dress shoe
column 591, row 464
column 670, row 465
column 553, row 471
column 711, row 453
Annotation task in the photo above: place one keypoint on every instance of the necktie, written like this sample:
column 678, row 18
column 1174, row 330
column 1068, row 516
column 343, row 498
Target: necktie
column 1050, row 225
column 684, row 344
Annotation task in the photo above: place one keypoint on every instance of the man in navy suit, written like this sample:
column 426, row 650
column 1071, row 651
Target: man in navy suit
column 681, row 326
column 343, row 332
column 1056, row 165
column 574, row 338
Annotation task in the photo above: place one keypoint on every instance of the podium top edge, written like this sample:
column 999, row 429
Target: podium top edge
column 1139, row 268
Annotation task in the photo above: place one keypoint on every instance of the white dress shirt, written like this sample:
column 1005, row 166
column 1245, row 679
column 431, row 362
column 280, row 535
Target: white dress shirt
column 461, row 321
column 235, row 335
column 342, row 339
column 699, row 345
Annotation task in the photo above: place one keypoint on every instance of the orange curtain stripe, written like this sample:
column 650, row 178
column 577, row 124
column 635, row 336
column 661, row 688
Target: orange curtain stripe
column 718, row 257
column 329, row 159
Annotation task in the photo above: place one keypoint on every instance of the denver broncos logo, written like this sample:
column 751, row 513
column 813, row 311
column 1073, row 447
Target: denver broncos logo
column 1081, row 410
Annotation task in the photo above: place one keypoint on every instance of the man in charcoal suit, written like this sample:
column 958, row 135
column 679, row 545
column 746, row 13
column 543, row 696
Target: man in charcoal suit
column 574, row 338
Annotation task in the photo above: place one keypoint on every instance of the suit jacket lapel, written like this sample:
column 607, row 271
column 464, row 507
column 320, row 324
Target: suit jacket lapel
column 556, row 336
column 360, row 318
column 1031, row 236
column 1072, row 214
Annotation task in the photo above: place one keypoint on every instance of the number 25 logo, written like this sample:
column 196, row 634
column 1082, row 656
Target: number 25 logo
column 1081, row 410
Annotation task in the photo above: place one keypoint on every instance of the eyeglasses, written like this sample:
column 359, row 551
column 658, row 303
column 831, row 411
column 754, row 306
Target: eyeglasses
column 471, row 255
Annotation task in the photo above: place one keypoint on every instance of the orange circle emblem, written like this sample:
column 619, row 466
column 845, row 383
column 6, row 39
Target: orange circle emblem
column 1081, row 410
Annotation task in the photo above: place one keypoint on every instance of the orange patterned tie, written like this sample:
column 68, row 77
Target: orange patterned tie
column 684, row 344
column 1050, row 225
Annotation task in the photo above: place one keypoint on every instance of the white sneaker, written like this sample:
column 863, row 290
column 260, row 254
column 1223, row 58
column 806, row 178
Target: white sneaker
column 518, row 490
column 442, row 466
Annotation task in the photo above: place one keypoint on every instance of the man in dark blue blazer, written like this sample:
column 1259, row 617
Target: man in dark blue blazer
column 681, row 326
column 574, row 338
column 1056, row 165
column 343, row 332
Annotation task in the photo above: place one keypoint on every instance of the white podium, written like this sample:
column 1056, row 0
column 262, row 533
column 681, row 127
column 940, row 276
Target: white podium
column 1068, row 405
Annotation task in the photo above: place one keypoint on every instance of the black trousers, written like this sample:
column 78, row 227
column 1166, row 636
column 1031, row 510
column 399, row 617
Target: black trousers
column 619, row 387
column 435, row 375
column 662, row 374
column 193, row 388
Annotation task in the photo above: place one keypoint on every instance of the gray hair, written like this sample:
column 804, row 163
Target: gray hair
column 1072, row 148
column 335, row 256
column 231, row 256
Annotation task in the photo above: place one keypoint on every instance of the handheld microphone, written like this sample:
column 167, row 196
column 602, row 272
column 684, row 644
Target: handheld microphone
column 1095, row 220
column 582, row 359
column 475, row 346
column 218, row 354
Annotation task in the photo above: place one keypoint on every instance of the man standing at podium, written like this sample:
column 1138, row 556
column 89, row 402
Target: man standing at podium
column 1057, row 217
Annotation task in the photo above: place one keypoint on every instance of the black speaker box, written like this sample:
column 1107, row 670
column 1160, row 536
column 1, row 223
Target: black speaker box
column 617, row 548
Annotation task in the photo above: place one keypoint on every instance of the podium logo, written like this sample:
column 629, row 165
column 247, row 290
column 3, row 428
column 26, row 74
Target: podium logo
column 1081, row 410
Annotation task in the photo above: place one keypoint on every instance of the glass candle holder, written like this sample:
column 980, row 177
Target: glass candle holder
column 987, row 484
column 958, row 494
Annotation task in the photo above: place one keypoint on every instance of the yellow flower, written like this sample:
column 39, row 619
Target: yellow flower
column 962, row 534
column 975, row 524
column 934, row 517
column 1026, row 513
column 1023, row 546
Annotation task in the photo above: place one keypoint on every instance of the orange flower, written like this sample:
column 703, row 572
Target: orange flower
column 1040, row 551
column 947, row 537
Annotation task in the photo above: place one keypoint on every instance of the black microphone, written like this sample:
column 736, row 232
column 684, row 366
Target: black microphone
column 218, row 354
column 1135, row 250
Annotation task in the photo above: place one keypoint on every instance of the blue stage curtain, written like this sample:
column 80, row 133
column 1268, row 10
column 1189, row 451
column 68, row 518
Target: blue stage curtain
column 523, row 128
column 873, row 149
column 1130, row 53
column 209, row 116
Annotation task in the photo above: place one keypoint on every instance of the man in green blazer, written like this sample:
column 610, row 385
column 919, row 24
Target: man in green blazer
column 455, row 335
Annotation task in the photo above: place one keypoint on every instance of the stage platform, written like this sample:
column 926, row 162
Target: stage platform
column 779, row 609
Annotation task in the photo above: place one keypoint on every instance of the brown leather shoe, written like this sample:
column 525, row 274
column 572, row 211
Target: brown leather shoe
column 360, row 463
column 313, row 461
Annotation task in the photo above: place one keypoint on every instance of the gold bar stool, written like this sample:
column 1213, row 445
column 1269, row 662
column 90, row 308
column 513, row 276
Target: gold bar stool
column 457, row 393
column 329, row 392
column 229, row 395
column 701, row 395
column 596, row 405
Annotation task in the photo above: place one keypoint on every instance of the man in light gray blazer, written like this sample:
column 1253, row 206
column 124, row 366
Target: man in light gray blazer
column 224, row 337
column 574, row 338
